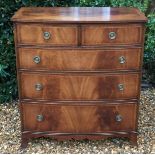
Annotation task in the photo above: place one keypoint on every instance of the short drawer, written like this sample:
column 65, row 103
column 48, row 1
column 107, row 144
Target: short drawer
column 32, row 34
column 74, row 59
column 79, row 118
column 112, row 34
column 84, row 86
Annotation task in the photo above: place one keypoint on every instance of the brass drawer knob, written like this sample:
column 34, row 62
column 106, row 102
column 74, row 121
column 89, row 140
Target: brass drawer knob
column 122, row 60
column 120, row 87
column 118, row 118
column 40, row 118
column 47, row 35
column 38, row 87
column 37, row 59
column 112, row 35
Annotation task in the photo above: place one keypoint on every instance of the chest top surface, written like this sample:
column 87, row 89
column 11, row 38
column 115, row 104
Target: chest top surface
column 78, row 15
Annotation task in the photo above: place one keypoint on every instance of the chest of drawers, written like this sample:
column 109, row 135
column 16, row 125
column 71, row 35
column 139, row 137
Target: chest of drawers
column 79, row 71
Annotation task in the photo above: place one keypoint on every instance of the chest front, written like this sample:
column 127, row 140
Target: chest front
column 79, row 71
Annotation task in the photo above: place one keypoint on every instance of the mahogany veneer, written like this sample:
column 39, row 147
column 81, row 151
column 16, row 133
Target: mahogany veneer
column 80, row 59
column 70, row 118
column 62, row 35
column 79, row 71
column 99, row 34
column 84, row 86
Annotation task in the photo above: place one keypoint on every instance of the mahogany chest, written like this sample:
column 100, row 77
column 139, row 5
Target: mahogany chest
column 79, row 71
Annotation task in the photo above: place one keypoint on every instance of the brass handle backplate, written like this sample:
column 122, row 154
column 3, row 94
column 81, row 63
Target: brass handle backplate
column 47, row 35
column 122, row 60
column 112, row 35
column 38, row 87
column 37, row 59
column 118, row 118
column 120, row 87
column 40, row 118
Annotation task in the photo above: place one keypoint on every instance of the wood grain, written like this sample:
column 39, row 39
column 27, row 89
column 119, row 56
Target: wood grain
column 79, row 87
column 82, row 59
column 79, row 71
column 99, row 34
column 70, row 118
column 79, row 15
column 60, row 35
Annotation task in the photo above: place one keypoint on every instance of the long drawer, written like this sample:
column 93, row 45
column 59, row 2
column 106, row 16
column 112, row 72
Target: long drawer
column 79, row 118
column 79, row 59
column 84, row 86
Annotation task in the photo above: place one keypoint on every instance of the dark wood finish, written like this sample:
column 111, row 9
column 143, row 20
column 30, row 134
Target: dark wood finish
column 131, row 135
column 79, row 15
column 79, row 87
column 99, row 34
column 75, row 59
column 34, row 34
column 80, row 71
column 70, row 118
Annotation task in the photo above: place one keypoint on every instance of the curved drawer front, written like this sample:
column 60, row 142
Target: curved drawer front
column 88, row 59
column 47, row 34
column 79, row 118
column 79, row 86
column 111, row 34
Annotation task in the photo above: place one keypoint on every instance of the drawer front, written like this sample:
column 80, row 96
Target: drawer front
column 47, row 34
column 79, row 118
column 88, row 59
column 111, row 34
column 79, row 86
